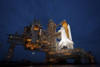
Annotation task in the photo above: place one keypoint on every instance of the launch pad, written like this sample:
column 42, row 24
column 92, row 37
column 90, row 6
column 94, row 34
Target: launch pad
column 34, row 38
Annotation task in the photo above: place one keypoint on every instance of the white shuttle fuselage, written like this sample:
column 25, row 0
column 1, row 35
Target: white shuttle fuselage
column 65, row 41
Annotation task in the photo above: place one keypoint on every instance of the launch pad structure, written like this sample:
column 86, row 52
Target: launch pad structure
column 34, row 38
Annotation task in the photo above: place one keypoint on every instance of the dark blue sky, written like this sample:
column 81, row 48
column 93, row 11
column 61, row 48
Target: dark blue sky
column 82, row 15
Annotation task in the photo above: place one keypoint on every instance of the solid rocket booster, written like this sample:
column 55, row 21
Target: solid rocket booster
column 69, row 31
column 64, row 24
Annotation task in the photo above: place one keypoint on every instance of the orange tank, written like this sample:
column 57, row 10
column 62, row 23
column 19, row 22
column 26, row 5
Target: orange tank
column 64, row 24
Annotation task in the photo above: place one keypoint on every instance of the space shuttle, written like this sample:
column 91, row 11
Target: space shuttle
column 66, row 38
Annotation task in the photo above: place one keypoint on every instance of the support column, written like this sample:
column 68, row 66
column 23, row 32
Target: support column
column 10, row 52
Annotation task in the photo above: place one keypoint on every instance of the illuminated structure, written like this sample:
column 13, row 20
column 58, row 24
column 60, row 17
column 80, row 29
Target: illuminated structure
column 34, row 38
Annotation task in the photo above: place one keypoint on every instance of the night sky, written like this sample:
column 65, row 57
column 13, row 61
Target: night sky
column 82, row 15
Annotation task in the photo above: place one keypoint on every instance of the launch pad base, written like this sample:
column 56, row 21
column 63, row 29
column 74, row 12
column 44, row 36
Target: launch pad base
column 77, row 54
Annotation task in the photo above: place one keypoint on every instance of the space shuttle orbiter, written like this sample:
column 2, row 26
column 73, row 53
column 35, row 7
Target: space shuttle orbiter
column 66, row 38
